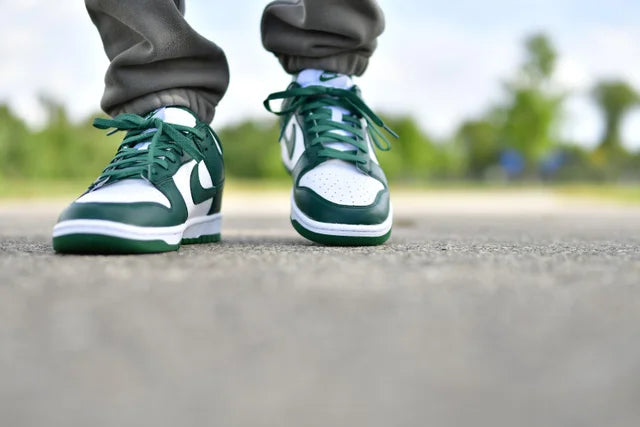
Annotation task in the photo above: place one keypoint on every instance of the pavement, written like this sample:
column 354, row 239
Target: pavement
column 505, row 309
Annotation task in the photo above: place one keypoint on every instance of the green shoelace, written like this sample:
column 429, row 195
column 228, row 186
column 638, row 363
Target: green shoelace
column 313, row 104
column 167, row 145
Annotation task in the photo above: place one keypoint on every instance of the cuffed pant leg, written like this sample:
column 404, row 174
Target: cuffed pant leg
column 157, row 59
column 332, row 35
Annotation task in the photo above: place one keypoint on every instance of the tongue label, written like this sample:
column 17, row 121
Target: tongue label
column 311, row 77
column 325, row 77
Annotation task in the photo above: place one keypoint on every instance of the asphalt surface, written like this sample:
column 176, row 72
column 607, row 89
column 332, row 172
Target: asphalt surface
column 474, row 314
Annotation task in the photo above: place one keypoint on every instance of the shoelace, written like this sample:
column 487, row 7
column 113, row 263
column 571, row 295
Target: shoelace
column 313, row 103
column 167, row 144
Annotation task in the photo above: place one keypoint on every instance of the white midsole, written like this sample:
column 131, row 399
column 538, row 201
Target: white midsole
column 348, row 230
column 193, row 228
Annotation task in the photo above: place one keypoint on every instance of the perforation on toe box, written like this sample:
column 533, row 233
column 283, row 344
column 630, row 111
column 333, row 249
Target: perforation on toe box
column 342, row 183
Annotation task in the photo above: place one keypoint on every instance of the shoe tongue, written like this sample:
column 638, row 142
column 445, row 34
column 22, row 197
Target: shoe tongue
column 311, row 77
column 173, row 115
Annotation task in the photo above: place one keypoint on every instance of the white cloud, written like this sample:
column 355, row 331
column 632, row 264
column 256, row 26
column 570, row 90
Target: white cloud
column 571, row 75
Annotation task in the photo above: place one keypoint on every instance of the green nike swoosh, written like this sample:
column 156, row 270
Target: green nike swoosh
column 198, row 193
column 290, row 140
column 325, row 77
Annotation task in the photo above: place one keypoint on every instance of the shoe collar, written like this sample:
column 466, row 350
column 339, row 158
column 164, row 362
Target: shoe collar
column 175, row 115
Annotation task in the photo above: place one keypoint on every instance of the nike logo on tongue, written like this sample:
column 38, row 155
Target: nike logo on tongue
column 325, row 77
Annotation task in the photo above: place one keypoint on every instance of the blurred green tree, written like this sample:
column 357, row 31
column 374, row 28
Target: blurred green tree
column 615, row 98
column 540, row 61
column 67, row 150
column 479, row 141
column 14, row 136
column 525, row 121
column 251, row 150
column 532, row 110
column 412, row 155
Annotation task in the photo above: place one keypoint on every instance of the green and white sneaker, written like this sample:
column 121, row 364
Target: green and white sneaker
column 162, row 189
column 340, row 194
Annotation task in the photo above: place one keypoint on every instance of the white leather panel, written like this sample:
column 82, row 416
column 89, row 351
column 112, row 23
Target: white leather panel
column 126, row 191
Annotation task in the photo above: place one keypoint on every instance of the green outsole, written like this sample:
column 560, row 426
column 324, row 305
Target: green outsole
column 330, row 240
column 212, row 238
column 97, row 244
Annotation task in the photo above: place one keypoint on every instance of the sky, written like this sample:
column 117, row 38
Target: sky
column 442, row 62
